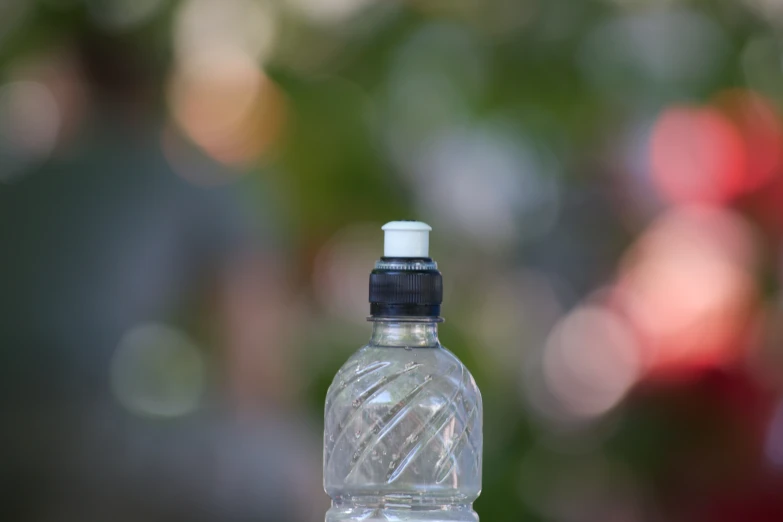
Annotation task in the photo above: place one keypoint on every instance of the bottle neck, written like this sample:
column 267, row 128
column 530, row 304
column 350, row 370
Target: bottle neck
column 405, row 334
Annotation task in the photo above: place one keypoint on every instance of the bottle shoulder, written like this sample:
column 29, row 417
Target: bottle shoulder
column 372, row 362
column 424, row 354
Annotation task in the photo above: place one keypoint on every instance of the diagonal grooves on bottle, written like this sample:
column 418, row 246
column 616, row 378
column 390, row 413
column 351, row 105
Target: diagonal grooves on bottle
column 440, row 419
column 389, row 421
column 440, row 475
column 357, row 374
column 466, row 422
column 460, row 414
column 358, row 403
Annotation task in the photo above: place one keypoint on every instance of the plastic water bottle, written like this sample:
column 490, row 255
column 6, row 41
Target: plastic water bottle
column 403, row 416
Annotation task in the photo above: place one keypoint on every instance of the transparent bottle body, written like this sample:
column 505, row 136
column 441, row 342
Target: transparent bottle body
column 403, row 437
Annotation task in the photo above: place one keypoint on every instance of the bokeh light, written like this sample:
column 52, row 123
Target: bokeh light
column 246, row 26
column 158, row 371
column 219, row 95
column 687, row 289
column 29, row 126
column 591, row 360
column 711, row 153
column 697, row 155
column 60, row 73
column 756, row 119
column 227, row 105
column 490, row 184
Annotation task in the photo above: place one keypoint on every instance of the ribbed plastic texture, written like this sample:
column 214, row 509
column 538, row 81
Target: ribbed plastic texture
column 403, row 438
column 406, row 287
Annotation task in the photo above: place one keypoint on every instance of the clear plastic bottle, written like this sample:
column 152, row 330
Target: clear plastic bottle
column 403, row 416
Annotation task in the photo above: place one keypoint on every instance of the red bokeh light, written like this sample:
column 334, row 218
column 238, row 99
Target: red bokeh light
column 713, row 154
column 697, row 155
column 758, row 123
column 686, row 288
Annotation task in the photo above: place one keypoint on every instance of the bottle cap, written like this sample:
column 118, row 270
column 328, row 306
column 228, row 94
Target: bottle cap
column 406, row 282
column 406, row 239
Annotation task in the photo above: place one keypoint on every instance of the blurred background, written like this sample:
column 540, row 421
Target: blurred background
column 191, row 195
